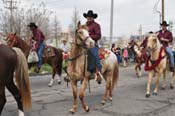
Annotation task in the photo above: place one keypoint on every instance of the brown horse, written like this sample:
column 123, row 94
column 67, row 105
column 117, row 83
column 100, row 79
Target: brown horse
column 13, row 60
column 55, row 61
column 140, row 56
column 77, row 68
column 157, row 63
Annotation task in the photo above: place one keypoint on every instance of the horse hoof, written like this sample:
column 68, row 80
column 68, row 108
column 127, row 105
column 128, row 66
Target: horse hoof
column 66, row 79
column 171, row 87
column 59, row 82
column 155, row 94
column 99, row 82
column 87, row 109
column 49, row 85
column 110, row 98
column 71, row 111
column 162, row 88
column 147, row 95
column 103, row 102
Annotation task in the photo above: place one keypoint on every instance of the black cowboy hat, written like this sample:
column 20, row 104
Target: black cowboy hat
column 32, row 25
column 164, row 23
column 90, row 14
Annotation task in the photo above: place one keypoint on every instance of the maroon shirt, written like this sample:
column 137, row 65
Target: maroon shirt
column 38, row 37
column 166, row 35
column 144, row 43
column 94, row 30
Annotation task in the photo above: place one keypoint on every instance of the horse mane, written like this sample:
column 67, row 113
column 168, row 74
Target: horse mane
column 22, row 44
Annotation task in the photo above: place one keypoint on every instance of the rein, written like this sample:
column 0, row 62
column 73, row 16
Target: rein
column 155, row 63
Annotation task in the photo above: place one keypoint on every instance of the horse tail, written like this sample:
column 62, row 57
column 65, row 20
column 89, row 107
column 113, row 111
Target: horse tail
column 60, row 61
column 22, row 79
column 115, row 75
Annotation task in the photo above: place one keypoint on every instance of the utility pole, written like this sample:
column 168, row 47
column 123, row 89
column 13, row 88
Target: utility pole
column 111, row 22
column 163, row 11
column 11, row 7
column 140, row 32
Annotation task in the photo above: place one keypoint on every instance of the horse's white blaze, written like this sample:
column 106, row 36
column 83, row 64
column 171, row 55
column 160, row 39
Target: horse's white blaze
column 21, row 113
column 51, row 82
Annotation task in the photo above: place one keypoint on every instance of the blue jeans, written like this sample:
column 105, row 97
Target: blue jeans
column 94, row 52
column 171, row 56
column 40, row 52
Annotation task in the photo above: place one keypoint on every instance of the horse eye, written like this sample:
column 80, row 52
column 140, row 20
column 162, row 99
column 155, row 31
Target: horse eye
column 80, row 32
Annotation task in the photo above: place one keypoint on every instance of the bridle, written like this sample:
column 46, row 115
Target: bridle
column 83, row 45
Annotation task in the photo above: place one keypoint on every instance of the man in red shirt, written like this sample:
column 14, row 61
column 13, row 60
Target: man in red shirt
column 166, row 37
column 39, row 37
column 95, row 33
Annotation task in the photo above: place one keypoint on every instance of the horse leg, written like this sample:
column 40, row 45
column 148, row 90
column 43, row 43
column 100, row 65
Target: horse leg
column 53, row 75
column 16, row 94
column 75, row 92
column 58, row 78
column 136, row 70
column 2, row 97
column 139, row 68
column 150, row 74
column 81, row 95
column 108, row 88
column 164, row 80
column 172, row 81
column 157, row 83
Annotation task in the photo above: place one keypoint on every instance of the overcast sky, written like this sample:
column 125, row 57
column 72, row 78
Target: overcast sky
column 128, row 14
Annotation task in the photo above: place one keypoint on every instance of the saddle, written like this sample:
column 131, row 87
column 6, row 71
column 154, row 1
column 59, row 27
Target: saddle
column 48, row 51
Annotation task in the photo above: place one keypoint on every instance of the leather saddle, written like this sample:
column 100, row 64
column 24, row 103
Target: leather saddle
column 48, row 51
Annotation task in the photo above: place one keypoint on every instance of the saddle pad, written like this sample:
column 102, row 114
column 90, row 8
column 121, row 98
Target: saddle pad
column 48, row 51
column 103, row 54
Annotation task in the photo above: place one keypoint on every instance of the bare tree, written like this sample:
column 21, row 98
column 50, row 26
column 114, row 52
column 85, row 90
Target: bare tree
column 56, row 29
column 22, row 17
column 75, row 19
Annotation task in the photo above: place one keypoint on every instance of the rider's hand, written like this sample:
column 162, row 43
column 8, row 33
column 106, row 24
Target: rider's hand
column 166, row 40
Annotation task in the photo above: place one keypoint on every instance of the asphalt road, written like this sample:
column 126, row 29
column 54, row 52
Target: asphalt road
column 128, row 99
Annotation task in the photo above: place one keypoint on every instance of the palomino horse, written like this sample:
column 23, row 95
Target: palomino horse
column 77, row 68
column 139, row 54
column 156, row 63
column 13, row 60
column 55, row 61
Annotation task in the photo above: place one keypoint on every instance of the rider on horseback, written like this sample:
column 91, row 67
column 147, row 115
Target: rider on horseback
column 166, row 37
column 39, row 37
column 95, row 33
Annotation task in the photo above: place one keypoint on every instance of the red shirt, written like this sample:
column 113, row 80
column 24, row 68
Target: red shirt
column 38, row 37
column 166, row 35
column 94, row 30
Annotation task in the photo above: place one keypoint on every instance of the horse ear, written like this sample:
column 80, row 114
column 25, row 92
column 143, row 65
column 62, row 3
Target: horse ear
column 79, row 24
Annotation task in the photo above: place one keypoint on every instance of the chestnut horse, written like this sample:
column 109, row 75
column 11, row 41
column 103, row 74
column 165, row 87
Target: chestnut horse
column 157, row 63
column 13, row 60
column 139, row 54
column 77, row 68
column 54, row 61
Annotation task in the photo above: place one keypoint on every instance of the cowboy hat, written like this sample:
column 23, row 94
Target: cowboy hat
column 90, row 14
column 32, row 25
column 164, row 23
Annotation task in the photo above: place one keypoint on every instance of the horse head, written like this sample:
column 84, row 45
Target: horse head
column 11, row 39
column 131, row 44
column 82, row 36
column 153, row 42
